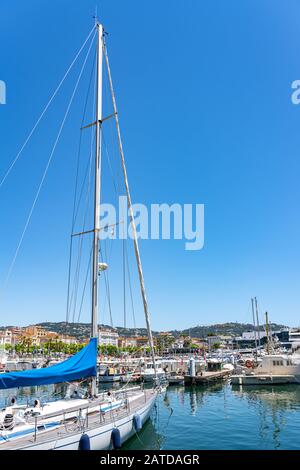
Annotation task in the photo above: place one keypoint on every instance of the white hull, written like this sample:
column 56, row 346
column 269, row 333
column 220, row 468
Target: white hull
column 100, row 434
column 109, row 378
column 130, row 378
column 264, row 379
column 100, row 437
column 149, row 377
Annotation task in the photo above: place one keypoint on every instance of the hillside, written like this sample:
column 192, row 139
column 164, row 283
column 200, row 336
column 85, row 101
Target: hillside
column 226, row 329
column 82, row 330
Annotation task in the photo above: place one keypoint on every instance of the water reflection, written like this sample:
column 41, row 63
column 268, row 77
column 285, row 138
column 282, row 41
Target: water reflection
column 278, row 397
column 146, row 439
column 271, row 404
column 241, row 417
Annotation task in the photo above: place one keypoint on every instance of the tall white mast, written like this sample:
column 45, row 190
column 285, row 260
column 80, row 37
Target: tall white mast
column 94, row 330
column 257, row 321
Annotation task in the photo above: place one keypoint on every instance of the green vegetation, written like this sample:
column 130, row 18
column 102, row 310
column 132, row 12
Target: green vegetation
column 163, row 342
column 26, row 347
column 111, row 350
column 82, row 330
column 223, row 329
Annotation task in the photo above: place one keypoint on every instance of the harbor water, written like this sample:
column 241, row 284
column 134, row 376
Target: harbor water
column 211, row 417
column 223, row 417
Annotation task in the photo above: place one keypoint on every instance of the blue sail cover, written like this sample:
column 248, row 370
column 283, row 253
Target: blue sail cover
column 81, row 365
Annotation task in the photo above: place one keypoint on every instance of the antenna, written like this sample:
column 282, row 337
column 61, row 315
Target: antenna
column 96, row 14
column 267, row 331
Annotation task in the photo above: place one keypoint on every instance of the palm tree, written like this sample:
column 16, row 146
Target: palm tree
column 25, row 344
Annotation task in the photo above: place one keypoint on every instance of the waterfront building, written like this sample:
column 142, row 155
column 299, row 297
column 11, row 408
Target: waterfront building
column 178, row 343
column 68, row 339
column 294, row 338
column 36, row 331
column 6, row 338
column 247, row 340
column 108, row 337
column 142, row 341
column 125, row 342
column 213, row 340
column 199, row 343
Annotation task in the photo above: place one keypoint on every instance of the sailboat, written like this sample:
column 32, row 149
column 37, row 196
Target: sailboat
column 83, row 419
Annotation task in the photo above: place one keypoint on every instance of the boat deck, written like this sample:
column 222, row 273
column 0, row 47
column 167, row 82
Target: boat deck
column 69, row 427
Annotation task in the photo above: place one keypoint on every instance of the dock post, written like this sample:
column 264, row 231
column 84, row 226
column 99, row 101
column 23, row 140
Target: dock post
column 192, row 368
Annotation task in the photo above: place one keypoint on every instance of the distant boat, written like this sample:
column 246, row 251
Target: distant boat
column 130, row 377
column 108, row 375
column 272, row 369
column 150, row 372
column 84, row 419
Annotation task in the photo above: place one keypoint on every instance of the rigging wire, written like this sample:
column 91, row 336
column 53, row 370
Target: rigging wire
column 124, row 282
column 124, row 245
column 87, row 174
column 106, row 278
column 81, row 237
column 48, row 165
column 74, row 213
column 70, row 297
column 125, row 251
column 107, row 289
column 108, row 257
column 85, row 283
column 111, row 127
column 115, row 182
column 135, row 238
column 130, row 288
column 14, row 161
column 86, row 213
column 80, row 245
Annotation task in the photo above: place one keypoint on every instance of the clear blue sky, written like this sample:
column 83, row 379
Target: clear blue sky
column 203, row 91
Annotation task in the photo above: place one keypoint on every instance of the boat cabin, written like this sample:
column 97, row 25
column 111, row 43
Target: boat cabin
column 214, row 366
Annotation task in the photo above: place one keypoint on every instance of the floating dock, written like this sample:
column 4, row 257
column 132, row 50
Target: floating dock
column 175, row 379
column 206, row 377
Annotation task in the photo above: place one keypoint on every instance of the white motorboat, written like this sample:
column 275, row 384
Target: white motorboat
column 270, row 370
column 150, row 374
column 108, row 375
column 130, row 377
